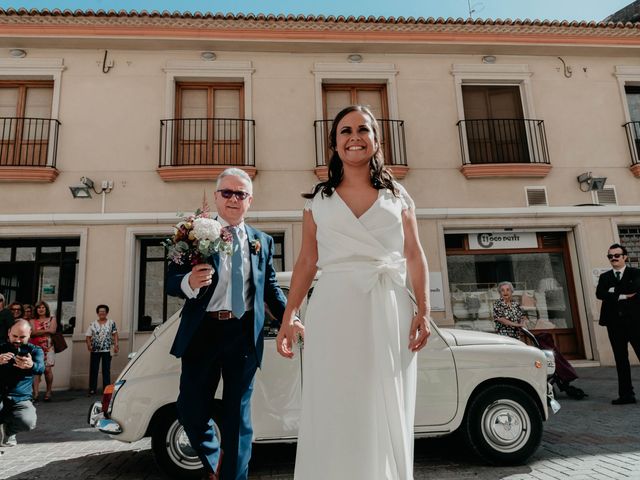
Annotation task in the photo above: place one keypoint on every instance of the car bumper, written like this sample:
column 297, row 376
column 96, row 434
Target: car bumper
column 553, row 404
column 105, row 425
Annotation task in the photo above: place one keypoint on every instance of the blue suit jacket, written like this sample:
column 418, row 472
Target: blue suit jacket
column 265, row 290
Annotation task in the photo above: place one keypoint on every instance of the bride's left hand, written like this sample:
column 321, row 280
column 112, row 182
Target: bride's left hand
column 419, row 333
column 288, row 335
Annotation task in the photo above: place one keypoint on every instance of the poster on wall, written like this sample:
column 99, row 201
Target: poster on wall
column 502, row 240
column 436, row 295
column 596, row 272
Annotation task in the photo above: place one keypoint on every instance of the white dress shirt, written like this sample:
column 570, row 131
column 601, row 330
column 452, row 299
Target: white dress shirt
column 221, row 298
column 622, row 296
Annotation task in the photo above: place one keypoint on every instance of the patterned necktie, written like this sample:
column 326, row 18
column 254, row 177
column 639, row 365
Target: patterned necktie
column 617, row 275
column 237, row 277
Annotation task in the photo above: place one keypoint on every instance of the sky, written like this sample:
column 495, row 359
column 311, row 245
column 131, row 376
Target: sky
column 532, row 9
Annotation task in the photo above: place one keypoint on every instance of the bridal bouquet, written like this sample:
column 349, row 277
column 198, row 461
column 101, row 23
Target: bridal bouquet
column 197, row 237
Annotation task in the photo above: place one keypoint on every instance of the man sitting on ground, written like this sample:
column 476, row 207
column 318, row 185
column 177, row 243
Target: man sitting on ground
column 19, row 362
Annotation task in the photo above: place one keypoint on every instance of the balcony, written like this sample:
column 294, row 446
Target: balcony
column 201, row 148
column 392, row 142
column 633, row 139
column 28, row 149
column 513, row 147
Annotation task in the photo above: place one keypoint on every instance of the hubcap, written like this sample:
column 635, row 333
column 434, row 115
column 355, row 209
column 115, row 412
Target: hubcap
column 179, row 448
column 506, row 425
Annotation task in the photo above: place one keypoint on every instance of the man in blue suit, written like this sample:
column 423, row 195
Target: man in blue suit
column 221, row 332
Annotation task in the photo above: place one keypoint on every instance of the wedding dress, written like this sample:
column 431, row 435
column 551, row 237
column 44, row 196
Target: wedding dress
column 359, row 376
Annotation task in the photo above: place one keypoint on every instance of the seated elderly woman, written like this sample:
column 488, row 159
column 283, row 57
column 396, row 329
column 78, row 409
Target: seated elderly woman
column 508, row 315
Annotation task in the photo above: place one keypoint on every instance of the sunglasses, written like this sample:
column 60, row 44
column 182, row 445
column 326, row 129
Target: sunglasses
column 226, row 193
column 16, row 309
column 614, row 255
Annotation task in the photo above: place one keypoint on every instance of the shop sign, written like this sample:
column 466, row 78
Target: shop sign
column 500, row 240
column 596, row 272
column 436, row 295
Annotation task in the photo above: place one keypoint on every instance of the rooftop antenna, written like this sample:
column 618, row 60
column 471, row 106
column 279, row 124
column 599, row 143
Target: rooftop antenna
column 475, row 8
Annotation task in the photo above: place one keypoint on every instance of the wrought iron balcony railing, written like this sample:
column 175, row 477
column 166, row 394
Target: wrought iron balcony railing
column 511, row 140
column 392, row 142
column 633, row 139
column 207, row 141
column 28, row 142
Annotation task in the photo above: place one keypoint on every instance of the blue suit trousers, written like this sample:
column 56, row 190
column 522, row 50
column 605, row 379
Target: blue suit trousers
column 220, row 349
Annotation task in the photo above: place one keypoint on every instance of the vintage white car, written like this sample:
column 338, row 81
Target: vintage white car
column 492, row 388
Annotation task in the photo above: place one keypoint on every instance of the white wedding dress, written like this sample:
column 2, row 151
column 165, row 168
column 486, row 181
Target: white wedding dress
column 359, row 376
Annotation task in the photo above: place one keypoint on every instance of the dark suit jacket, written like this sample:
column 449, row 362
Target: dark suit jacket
column 613, row 309
column 265, row 290
column 6, row 322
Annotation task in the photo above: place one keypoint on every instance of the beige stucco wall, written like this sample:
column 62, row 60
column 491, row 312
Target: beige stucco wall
column 110, row 131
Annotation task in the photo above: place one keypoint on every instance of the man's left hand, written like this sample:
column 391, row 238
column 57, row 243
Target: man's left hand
column 25, row 363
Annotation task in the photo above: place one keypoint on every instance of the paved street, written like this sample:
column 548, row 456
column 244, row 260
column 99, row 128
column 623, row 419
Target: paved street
column 587, row 439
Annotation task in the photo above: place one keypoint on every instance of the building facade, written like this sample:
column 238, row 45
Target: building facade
column 518, row 141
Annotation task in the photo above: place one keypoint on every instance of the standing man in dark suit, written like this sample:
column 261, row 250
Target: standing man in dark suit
column 221, row 332
column 620, row 313
column 6, row 319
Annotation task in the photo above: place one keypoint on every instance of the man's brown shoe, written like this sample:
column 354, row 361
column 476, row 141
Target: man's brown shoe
column 216, row 475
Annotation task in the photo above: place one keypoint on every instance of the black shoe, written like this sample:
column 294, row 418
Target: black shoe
column 624, row 400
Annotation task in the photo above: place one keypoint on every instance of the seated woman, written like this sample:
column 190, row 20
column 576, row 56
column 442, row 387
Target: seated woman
column 508, row 315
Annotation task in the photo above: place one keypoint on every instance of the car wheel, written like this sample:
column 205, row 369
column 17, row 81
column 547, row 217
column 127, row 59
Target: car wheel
column 503, row 425
column 171, row 448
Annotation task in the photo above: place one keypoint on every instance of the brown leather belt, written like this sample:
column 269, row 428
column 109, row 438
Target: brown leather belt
column 221, row 315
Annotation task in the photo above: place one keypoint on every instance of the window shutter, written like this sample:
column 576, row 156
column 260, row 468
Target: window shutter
column 536, row 196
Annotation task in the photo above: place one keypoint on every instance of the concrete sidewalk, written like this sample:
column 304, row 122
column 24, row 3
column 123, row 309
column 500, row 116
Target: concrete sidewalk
column 587, row 439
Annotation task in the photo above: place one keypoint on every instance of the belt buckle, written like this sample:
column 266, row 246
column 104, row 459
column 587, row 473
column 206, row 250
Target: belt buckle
column 225, row 315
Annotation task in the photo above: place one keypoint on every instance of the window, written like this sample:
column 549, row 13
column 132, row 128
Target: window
column 538, row 266
column 630, row 238
column 374, row 96
column 336, row 96
column 278, row 251
column 338, row 85
column 25, row 122
column 209, row 124
column 632, row 95
column 202, row 149
column 494, row 124
column 154, row 305
column 498, row 130
column 339, row 96
column 42, row 269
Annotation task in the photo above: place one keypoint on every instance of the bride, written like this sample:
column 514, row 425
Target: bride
column 361, row 333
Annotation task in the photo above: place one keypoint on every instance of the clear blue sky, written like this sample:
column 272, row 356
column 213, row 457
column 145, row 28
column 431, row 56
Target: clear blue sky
column 533, row 9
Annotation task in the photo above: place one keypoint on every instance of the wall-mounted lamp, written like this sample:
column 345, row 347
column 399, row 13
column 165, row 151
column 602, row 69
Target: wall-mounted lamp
column 590, row 183
column 83, row 190
column 354, row 58
column 17, row 53
column 208, row 56
column 490, row 59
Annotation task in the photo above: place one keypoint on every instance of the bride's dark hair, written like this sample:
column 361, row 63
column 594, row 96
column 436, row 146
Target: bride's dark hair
column 380, row 176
